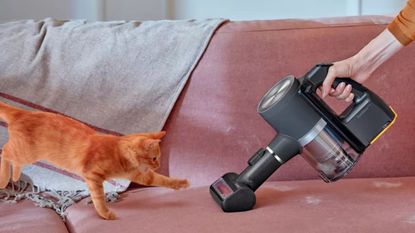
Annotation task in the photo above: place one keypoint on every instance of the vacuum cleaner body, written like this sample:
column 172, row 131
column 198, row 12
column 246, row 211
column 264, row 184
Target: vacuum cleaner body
column 306, row 125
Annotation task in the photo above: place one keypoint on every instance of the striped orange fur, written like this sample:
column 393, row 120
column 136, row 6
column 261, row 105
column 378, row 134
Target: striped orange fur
column 75, row 147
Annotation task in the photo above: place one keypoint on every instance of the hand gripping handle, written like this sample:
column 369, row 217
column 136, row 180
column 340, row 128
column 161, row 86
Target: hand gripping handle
column 317, row 75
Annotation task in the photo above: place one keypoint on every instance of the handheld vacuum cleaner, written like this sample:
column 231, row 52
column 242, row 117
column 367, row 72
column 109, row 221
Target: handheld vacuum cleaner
column 330, row 143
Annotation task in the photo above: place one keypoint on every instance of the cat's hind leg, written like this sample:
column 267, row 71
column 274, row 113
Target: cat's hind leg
column 4, row 172
column 17, row 171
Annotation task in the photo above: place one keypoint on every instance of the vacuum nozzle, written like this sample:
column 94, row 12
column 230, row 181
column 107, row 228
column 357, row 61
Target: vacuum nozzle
column 236, row 192
column 231, row 195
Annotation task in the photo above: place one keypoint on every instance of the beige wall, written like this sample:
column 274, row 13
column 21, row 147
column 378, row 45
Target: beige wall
column 183, row 9
column 136, row 9
column 21, row 9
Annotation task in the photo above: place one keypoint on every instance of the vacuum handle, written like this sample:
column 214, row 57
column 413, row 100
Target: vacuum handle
column 363, row 96
column 360, row 92
column 318, row 74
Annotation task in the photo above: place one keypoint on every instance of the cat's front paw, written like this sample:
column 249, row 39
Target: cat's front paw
column 108, row 215
column 179, row 184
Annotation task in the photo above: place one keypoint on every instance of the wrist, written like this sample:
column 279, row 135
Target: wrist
column 358, row 63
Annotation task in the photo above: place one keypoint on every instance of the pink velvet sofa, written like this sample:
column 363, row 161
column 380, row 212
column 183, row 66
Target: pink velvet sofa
column 214, row 129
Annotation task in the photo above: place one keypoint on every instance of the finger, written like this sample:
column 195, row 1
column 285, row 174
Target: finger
column 339, row 89
column 330, row 92
column 331, row 75
column 346, row 92
column 350, row 98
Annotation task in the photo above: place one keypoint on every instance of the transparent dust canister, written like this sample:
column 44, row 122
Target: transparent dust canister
column 328, row 153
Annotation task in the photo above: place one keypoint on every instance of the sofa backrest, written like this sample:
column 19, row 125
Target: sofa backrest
column 214, row 127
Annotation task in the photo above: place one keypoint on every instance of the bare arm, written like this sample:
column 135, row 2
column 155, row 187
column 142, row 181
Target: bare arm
column 360, row 66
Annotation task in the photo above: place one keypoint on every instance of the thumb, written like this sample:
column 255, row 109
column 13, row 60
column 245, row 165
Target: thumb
column 328, row 81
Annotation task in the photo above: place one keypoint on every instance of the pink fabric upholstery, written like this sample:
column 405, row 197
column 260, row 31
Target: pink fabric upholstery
column 26, row 217
column 215, row 128
column 352, row 205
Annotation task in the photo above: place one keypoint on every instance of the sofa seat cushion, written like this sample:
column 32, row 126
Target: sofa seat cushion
column 349, row 205
column 26, row 217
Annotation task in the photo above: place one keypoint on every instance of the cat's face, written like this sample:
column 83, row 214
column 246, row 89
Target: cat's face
column 145, row 149
column 152, row 154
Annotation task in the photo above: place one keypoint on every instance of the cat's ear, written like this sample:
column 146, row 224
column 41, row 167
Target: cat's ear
column 155, row 135
column 158, row 135
column 150, row 143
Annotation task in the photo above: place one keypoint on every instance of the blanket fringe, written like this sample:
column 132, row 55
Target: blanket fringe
column 59, row 201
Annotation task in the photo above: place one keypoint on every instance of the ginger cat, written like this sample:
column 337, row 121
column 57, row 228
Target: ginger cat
column 76, row 147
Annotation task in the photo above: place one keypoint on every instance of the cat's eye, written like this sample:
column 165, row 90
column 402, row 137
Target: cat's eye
column 154, row 159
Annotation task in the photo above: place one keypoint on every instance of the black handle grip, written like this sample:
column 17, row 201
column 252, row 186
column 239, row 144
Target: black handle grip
column 360, row 92
column 316, row 76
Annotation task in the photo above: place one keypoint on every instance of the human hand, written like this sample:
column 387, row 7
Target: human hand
column 346, row 68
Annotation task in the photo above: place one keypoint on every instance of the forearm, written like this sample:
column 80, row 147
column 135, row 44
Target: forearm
column 380, row 49
column 400, row 32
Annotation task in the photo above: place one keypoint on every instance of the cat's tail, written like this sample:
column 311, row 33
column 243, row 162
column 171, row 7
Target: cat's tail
column 7, row 112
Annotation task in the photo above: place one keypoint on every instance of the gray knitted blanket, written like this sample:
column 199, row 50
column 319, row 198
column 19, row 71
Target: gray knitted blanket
column 118, row 77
